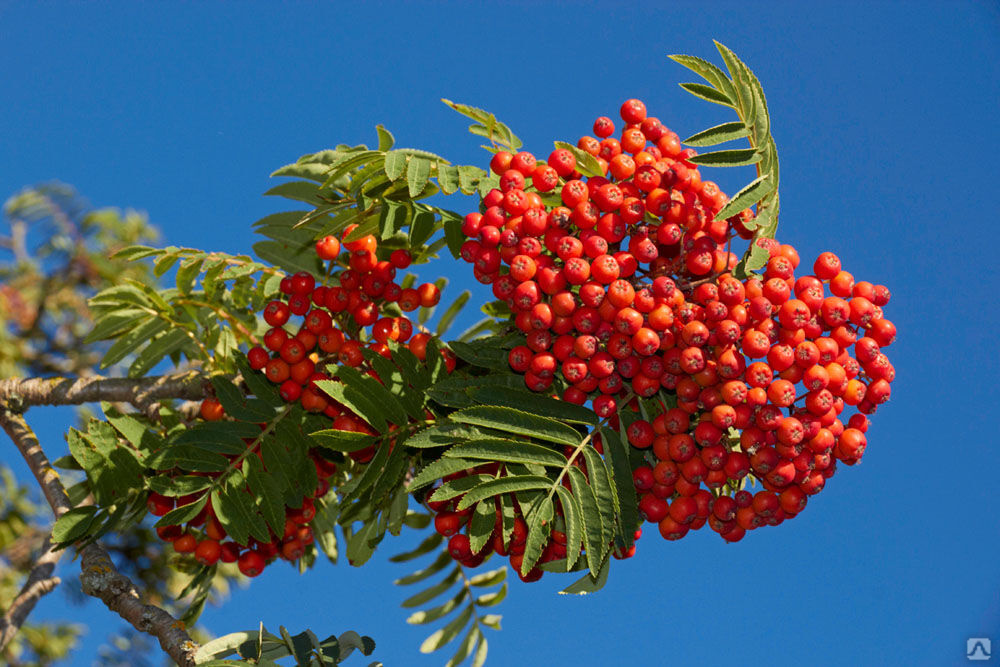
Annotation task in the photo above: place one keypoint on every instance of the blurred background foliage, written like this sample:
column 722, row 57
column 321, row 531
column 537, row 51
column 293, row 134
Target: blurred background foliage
column 55, row 253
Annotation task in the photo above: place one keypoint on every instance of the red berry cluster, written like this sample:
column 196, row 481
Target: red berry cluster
column 449, row 521
column 205, row 538
column 338, row 322
column 625, row 290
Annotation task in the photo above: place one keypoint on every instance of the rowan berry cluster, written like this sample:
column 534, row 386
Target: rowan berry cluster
column 623, row 288
column 339, row 321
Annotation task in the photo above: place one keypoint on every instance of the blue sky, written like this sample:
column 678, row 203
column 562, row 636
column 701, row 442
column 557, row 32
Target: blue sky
column 885, row 119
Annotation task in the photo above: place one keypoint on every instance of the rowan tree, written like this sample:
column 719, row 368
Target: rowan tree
column 653, row 355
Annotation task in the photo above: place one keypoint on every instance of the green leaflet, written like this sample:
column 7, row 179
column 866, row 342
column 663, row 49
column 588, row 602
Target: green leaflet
column 735, row 157
column 750, row 194
column 718, row 134
column 589, row 583
column 707, row 93
column 438, row 469
column 343, row 441
column 357, row 400
column 443, row 560
column 446, row 634
column 572, row 514
column 707, row 71
column 616, row 452
column 430, row 543
column 113, row 470
column 496, row 487
column 432, row 592
column 539, row 527
column 418, row 172
column 510, row 420
column 510, row 451
column 298, row 191
column 74, row 524
column 431, row 615
column 586, row 163
column 595, row 539
column 504, row 395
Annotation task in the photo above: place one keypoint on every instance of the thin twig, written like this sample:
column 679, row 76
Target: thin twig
column 38, row 584
column 99, row 577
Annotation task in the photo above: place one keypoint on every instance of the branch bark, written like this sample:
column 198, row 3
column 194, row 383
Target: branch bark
column 99, row 577
column 140, row 392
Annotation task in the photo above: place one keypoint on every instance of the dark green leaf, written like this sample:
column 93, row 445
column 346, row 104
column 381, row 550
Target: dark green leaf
column 357, row 400
column 718, row 134
column 616, row 452
column 510, row 451
column 572, row 512
column 540, row 405
column 74, row 524
column 707, row 93
column 181, row 485
column 160, row 347
column 417, row 173
column 343, row 441
column 495, row 487
column 749, row 195
column 267, row 492
column 385, row 138
column 437, row 589
column 453, row 233
column 183, row 514
column 421, row 228
column 433, row 614
column 510, row 420
column 441, row 435
column 187, row 457
column 586, row 163
column 429, row 544
column 298, row 191
column 539, row 528
column 437, row 469
column 593, row 525
column 589, row 583
column 448, row 633
column 736, row 157
column 356, row 383
column 709, row 72
column 443, row 560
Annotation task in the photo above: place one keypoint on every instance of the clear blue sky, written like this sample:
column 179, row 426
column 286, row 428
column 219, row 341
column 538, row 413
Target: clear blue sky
column 885, row 117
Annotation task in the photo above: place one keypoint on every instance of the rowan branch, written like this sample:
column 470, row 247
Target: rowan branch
column 39, row 583
column 99, row 577
column 140, row 392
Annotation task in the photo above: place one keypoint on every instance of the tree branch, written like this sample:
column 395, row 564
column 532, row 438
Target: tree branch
column 39, row 583
column 99, row 577
column 140, row 392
